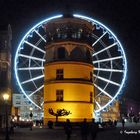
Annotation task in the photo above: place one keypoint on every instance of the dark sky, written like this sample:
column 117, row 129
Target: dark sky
column 121, row 16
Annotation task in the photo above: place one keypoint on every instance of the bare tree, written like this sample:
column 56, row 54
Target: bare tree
column 58, row 113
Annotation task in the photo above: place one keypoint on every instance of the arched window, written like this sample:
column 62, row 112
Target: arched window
column 61, row 52
column 77, row 54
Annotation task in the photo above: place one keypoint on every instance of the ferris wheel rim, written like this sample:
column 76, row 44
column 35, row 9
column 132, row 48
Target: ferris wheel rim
column 125, row 60
column 18, row 48
column 85, row 18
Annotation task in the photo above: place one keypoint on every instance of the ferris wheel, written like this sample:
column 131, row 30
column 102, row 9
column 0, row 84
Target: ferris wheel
column 109, row 60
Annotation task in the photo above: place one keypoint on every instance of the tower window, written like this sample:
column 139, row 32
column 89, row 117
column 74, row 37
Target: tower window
column 59, row 74
column 91, row 97
column 61, row 53
column 59, row 95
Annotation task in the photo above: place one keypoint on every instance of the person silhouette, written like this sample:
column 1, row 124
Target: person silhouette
column 123, row 123
column 94, row 129
column 84, row 129
column 68, row 129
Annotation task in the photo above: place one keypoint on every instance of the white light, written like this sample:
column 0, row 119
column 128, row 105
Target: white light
column 103, row 91
column 108, row 47
column 31, row 68
column 98, row 39
column 36, row 90
column 106, row 80
column 98, row 104
column 111, row 70
column 31, row 57
column 33, row 79
column 34, row 46
column 108, row 59
column 6, row 97
column 40, row 35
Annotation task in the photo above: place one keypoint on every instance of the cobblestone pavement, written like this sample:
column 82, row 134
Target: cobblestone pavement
column 131, row 132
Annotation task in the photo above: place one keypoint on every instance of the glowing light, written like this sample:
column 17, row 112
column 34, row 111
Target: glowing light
column 31, row 57
column 110, row 46
column 108, row 59
column 103, row 91
column 34, row 46
column 33, row 79
column 98, row 104
column 106, row 80
column 31, row 68
column 111, row 70
column 99, row 39
column 36, row 90
column 40, row 35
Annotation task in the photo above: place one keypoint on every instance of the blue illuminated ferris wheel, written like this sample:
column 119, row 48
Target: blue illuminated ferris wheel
column 109, row 60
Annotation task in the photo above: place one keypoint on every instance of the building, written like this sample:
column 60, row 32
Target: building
column 68, row 83
column 21, row 108
column 5, row 69
column 129, row 108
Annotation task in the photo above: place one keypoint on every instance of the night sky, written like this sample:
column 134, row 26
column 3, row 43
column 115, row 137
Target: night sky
column 121, row 16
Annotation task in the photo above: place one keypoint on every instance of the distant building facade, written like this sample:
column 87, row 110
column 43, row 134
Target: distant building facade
column 21, row 108
column 129, row 108
column 5, row 69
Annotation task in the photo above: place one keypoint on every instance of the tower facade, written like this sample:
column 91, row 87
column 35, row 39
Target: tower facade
column 68, row 80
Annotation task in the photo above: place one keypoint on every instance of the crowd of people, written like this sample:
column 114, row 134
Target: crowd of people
column 86, row 129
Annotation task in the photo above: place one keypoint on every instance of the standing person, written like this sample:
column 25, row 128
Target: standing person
column 115, row 123
column 123, row 123
column 84, row 129
column 94, row 129
column 68, row 129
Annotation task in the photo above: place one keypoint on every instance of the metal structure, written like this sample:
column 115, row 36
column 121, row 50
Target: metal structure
column 109, row 60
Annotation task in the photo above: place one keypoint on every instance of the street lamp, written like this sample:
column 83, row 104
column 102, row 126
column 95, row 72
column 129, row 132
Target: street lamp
column 6, row 98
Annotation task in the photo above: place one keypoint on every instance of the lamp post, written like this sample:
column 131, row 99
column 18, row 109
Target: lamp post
column 31, row 115
column 6, row 98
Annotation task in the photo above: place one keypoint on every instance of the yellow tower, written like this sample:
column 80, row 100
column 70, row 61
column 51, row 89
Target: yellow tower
column 68, row 70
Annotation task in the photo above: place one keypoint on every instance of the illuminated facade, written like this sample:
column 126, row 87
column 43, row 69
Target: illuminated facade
column 68, row 80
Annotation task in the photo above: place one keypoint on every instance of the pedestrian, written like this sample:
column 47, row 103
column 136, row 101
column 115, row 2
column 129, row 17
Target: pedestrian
column 84, row 129
column 123, row 123
column 31, row 125
column 94, row 127
column 115, row 123
column 68, row 129
column 12, row 127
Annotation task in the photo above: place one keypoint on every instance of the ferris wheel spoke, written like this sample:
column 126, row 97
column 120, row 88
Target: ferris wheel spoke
column 39, row 88
column 31, row 68
column 110, row 70
column 103, row 91
column 42, row 103
column 98, row 104
column 108, row 47
column 32, row 79
column 34, row 46
column 108, row 59
column 99, row 38
column 40, row 35
column 31, row 57
column 106, row 80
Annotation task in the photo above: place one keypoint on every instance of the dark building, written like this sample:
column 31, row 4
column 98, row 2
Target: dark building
column 129, row 108
column 5, row 70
